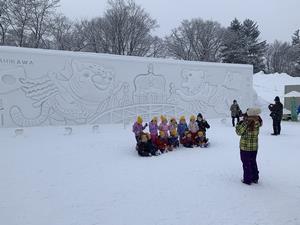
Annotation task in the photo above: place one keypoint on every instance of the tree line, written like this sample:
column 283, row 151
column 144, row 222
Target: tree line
column 125, row 28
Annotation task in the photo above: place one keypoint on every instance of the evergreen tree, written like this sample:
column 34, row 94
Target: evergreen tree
column 232, row 51
column 296, row 38
column 296, row 53
column 242, row 45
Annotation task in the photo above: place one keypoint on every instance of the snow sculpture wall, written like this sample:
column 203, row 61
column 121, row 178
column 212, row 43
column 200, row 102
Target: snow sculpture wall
column 46, row 87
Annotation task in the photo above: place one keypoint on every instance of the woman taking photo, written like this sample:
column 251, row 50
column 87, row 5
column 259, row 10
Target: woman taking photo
column 248, row 129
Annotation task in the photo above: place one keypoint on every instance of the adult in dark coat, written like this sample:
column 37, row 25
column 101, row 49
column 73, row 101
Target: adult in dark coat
column 276, row 114
column 235, row 112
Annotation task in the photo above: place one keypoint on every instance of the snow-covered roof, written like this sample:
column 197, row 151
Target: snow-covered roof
column 292, row 94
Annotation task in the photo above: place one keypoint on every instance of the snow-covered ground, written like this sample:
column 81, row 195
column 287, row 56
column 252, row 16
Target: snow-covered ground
column 96, row 178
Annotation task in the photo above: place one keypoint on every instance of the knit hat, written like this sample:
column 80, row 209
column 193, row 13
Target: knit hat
column 200, row 133
column 163, row 118
column 253, row 111
column 154, row 119
column 192, row 117
column 277, row 99
column 172, row 119
column 139, row 120
column 200, row 115
column 182, row 118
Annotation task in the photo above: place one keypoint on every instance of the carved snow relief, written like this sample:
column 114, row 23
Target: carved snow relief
column 65, row 88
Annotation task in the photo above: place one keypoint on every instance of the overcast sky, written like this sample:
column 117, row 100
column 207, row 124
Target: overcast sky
column 277, row 19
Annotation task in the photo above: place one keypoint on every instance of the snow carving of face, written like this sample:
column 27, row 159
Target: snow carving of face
column 91, row 82
column 10, row 80
column 193, row 80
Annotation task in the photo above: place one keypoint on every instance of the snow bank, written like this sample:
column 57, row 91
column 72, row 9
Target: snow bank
column 268, row 86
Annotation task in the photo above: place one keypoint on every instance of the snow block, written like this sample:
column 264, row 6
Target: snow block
column 49, row 87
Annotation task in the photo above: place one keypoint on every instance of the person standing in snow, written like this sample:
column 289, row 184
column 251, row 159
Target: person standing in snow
column 138, row 127
column 276, row 114
column 153, row 129
column 182, row 128
column 163, row 126
column 235, row 112
column 248, row 129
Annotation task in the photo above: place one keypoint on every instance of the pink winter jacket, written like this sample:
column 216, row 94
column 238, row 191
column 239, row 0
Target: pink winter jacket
column 164, row 127
column 193, row 127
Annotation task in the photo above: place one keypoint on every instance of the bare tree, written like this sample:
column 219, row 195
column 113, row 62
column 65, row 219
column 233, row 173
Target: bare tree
column 157, row 48
column 128, row 28
column 40, row 20
column 18, row 14
column 196, row 40
column 94, row 32
column 61, row 29
column 79, row 38
column 4, row 23
column 279, row 58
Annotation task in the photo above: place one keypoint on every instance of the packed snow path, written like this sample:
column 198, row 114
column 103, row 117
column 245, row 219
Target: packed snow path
column 88, row 178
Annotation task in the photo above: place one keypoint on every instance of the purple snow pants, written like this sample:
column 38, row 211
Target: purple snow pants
column 248, row 159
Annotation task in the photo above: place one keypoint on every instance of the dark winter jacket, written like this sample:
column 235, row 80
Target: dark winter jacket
column 173, row 141
column 200, row 140
column 235, row 110
column 146, row 148
column 143, row 150
column 203, row 125
column 276, row 110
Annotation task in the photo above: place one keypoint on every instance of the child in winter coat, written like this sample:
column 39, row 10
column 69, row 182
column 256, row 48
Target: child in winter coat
column 201, row 140
column 163, row 126
column 182, row 128
column 202, row 124
column 173, row 139
column 193, row 126
column 138, row 127
column 144, row 147
column 187, row 140
column 162, row 142
column 172, row 125
column 153, row 129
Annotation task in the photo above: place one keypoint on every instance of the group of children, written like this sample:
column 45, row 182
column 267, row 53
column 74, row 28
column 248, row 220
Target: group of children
column 166, row 136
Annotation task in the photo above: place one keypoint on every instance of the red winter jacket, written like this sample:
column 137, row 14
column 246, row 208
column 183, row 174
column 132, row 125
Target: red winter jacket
column 162, row 143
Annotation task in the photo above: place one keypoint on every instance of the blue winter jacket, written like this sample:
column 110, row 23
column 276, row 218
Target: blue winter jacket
column 181, row 128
